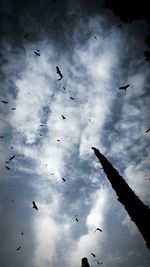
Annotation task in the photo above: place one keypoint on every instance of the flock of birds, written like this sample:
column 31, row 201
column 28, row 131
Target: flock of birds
column 37, row 53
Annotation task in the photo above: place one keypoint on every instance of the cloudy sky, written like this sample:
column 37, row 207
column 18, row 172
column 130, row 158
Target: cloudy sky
column 96, row 52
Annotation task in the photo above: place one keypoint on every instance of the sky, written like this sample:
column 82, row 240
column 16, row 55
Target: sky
column 97, row 50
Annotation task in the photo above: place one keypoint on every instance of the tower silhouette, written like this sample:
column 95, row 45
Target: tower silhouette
column 137, row 210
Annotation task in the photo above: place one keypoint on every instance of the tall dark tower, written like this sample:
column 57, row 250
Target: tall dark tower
column 85, row 262
column 137, row 210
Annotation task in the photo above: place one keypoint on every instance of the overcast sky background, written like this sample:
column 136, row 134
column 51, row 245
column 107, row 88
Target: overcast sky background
column 96, row 53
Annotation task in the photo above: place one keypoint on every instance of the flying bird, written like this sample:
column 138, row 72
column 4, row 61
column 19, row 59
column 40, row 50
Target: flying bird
column 93, row 255
column 11, row 157
column 7, row 162
column 99, row 262
column 13, row 108
column 37, row 54
column 147, row 130
column 18, row 248
column 77, row 219
column 34, row 206
column 63, row 179
column 72, row 98
column 64, row 88
column 63, row 117
column 59, row 73
column 58, row 140
column 22, row 233
column 7, row 168
column 5, row 102
column 95, row 37
column 98, row 229
column 1, row 136
column 124, row 87
column 26, row 35
column 41, row 125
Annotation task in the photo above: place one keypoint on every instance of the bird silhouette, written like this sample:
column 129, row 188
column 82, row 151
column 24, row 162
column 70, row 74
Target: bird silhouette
column 7, row 168
column 26, row 35
column 34, row 206
column 11, row 158
column 13, row 108
column 36, row 53
column 147, row 130
column 63, row 179
column 1, row 136
column 22, row 233
column 72, row 98
column 77, row 219
column 5, row 102
column 63, row 117
column 58, row 140
column 93, row 255
column 59, row 73
column 98, row 229
column 19, row 248
column 99, row 262
column 124, row 87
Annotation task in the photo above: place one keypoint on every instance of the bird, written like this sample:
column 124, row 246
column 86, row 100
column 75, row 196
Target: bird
column 1, row 136
column 37, row 54
column 72, row 98
column 7, row 168
column 26, row 35
column 98, row 229
column 38, row 50
column 77, row 219
column 59, row 72
column 41, row 125
column 64, row 88
column 34, row 206
column 147, row 130
column 22, row 233
column 93, row 255
column 40, row 134
column 124, row 87
column 7, row 162
column 63, row 179
column 99, row 262
column 63, row 117
column 95, row 37
column 13, row 108
column 5, row 102
column 11, row 157
column 19, row 248
column 58, row 140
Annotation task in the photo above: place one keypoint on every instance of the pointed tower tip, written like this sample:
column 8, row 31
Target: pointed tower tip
column 95, row 149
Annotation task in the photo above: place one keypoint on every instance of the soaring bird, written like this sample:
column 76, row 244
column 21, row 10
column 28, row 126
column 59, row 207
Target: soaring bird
column 72, row 98
column 13, row 108
column 37, row 54
column 147, row 130
column 26, row 35
column 5, row 102
column 58, row 140
column 63, row 117
column 11, row 157
column 59, row 73
column 63, row 179
column 124, row 87
column 98, row 229
column 77, row 219
column 22, row 233
column 34, row 206
column 1, row 136
column 7, row 168
column 93, row 255
column 99, row 262
column 18, row 248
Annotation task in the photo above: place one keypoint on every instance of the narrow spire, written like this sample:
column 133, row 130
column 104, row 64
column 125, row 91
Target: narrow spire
column 137, row 210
